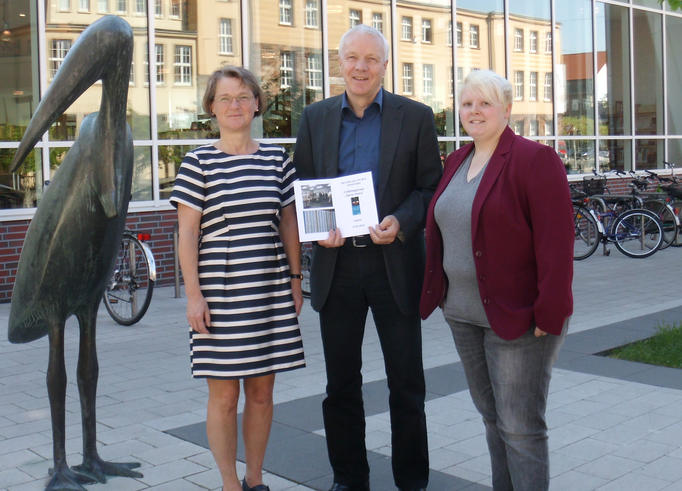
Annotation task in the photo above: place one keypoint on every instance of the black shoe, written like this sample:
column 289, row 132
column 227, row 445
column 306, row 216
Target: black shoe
column 344, row 487
column 412, row 489
column 257, row 487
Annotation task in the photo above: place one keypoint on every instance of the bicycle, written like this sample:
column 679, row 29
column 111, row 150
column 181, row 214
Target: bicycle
column 636, row 232
column 129, row 291
column 588, row 231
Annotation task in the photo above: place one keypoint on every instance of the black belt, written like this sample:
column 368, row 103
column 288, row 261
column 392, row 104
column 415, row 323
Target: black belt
column 359, row 241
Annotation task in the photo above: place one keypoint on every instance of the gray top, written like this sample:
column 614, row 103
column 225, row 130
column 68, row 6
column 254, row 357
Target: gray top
column 453, row 216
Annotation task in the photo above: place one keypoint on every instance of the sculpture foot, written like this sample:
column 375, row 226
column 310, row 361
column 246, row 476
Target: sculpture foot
column 98, row 469
column 65, row 479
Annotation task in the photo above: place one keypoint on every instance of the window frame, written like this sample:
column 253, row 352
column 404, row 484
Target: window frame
column 182, row 67
column 408, row 78
column 225, row 38
column 474, row 36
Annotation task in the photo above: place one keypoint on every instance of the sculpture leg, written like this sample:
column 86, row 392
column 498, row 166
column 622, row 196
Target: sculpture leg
column 62, row 476
column 88, row 371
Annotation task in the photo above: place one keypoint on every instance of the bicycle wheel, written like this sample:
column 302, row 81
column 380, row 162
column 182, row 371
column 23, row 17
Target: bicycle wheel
column 306, row 260
column 667, row 218
column 637, row 233
column 587, row 236
column 129, row 291
column 676, row 206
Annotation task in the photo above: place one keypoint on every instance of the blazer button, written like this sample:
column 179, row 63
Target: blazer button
column 478, row 253
column 482, row 277
column 486, row 301
column 428, row 292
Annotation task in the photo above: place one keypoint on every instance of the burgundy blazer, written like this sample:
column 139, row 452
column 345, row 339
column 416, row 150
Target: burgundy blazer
column 522, row 239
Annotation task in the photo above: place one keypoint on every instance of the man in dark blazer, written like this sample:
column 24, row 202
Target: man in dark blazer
column 370, row 129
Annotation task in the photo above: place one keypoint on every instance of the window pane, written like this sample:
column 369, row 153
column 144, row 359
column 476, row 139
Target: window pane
column 23, row 188
column 674, row 152
column 530, row 113
column 142, row 174
column 62, row 31
column 575, row 80
column 648, row 154
column 288, row 59
column 648, row 59
column 189, row 47
column 337, row 27
column 20, row 90
column 613, row 79
column 486, row 21
column 674, row 55
column 428, row 54
column 170, row 158
column 614, row 154
column 579, row 155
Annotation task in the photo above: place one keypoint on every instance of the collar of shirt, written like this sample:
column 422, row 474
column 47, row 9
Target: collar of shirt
column 378, row 100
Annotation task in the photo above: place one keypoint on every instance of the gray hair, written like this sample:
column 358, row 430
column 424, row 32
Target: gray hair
column 491, row 85
column 363, row 29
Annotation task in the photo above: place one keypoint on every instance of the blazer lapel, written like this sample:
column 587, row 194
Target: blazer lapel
column 331, row 128
column 497, row 162
column 391, row 124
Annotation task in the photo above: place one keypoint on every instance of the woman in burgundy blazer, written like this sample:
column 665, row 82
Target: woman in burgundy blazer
column 511, row 285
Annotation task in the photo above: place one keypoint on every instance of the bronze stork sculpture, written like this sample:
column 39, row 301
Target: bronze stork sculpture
column 74, row 236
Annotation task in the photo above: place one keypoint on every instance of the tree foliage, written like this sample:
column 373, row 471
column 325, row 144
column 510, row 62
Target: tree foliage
column 674, row 4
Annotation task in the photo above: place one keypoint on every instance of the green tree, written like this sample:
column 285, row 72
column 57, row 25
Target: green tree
column 674, row 4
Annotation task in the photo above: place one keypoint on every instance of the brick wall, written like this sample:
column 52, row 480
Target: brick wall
column 159, row 224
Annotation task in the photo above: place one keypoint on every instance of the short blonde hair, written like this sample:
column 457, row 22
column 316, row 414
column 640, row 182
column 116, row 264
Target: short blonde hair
column 491, row 85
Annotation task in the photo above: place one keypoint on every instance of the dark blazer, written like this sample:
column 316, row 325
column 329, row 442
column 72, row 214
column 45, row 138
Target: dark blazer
column 409, row 171
column 522, row 238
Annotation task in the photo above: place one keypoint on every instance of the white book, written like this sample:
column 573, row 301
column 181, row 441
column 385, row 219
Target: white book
column 345, row 202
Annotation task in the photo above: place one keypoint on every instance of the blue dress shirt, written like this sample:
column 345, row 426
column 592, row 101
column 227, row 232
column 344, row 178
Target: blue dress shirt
column 360, row 139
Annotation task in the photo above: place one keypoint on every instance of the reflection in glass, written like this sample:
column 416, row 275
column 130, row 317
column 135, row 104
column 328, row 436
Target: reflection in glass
column 614, row 154
column 674, row 58
column 142, row 174
column 574, row 95
column 529, row 20
column 189, row 46
column 19, row 83
column 613, row 79
column 64, row 25
column 648, row 154
column 675, row 152
column 578, row 155
column 425, row 53
column 648, row 69
column 23, row 188
column 170, row 158
column 480, row 39
column 286, row 53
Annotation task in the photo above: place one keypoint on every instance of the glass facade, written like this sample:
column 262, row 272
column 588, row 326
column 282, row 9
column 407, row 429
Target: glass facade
column 596, row 80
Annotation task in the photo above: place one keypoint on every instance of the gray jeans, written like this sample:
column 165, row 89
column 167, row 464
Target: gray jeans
column 508, row 382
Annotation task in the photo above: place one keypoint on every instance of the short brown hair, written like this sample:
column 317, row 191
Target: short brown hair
column 242, row 74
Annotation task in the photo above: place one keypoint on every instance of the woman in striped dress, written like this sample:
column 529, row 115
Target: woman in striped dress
column 240, row 259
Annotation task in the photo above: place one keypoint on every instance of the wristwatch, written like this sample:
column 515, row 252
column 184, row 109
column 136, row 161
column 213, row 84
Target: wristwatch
column 296, row 275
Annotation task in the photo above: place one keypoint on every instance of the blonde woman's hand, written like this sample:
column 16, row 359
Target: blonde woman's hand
column 539, row 332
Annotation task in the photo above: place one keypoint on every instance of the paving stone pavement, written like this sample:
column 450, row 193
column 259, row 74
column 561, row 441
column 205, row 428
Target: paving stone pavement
column 613, row 425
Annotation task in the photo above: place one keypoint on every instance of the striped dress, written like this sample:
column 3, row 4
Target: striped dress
column 243, row 270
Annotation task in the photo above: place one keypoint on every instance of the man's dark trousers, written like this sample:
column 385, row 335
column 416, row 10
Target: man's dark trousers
column 360, row 283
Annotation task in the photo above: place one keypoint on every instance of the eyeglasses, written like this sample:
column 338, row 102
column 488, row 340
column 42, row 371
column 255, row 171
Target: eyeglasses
column 242, row 100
